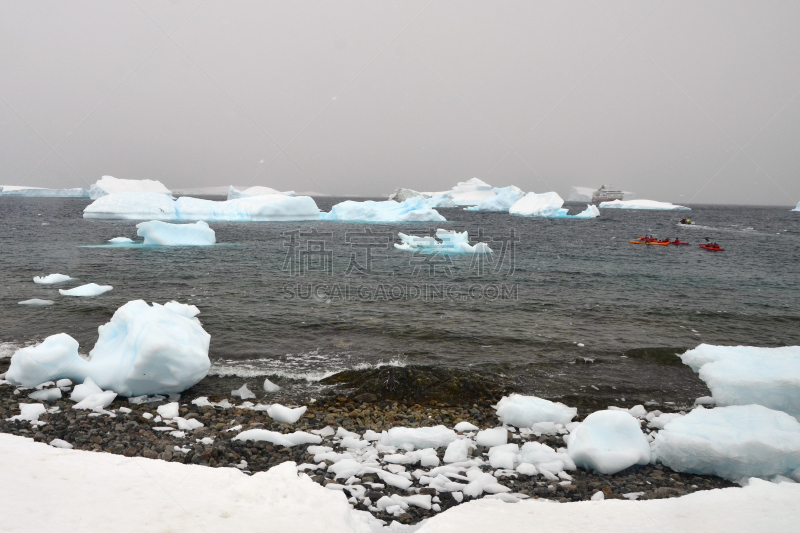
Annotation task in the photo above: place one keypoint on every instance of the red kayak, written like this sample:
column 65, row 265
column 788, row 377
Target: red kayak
column 678, row 243
column 712, row 247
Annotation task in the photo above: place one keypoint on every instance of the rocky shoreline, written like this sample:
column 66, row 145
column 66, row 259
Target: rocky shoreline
column 359, row 408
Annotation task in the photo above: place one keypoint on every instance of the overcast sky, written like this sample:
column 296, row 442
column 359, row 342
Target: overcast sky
column 683, row 101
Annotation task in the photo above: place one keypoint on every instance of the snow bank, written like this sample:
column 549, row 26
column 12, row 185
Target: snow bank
column 428, row 437
column 742, row 375
column 88, row 290
column 525, row 411
column 51, row 279
column 642, row 204
column 503, row 199
column 731, row 442
column 154, row 206
column 412, row 210
column 451, row 242
column 234, row 193
column 547, row 205
column 160, row 233
column 40, row 192
column 143, row 350
column 111, row 185
column 131, row 494
column 36, row 302
column 607, row 442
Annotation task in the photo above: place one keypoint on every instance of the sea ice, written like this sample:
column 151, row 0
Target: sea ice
column 452, row 242
column 470, row 192
column 731, row 442
column 458, row 451
column 607, row 442
column 154, row 206
column 142, row 350
column 120, row 240
column 90, row 289
column 40, row 192
column 85, row 389
column 46, row 395
column 543, row 457
column 414, row 209
column 270, row 386
column 111, row 185
column 58, row 443
column 797, row 208
column 547, row 205
column 243, row 392
column 427, row 437
column 492, row 437
column 743, row 375
column 525, row 411
column 290, row 439
column 99, row 400
column 234, row 193
column 642, row 204
column 51, row 279
column 503, row 199
column 160, row 233
column 29, row 412
column 36, row 302
column 285, row 415
column 461, row 427
column 168, row 410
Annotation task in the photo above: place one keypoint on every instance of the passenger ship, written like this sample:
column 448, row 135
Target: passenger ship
column 607, row 193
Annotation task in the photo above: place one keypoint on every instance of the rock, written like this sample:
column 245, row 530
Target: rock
column 367, row 397
column 428, row 490
column 667, row 492
column 150, row 454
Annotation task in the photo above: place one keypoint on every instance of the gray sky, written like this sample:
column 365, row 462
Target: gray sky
column 681, row 101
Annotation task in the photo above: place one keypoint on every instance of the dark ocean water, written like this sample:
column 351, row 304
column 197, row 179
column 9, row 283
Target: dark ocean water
column 560, row 282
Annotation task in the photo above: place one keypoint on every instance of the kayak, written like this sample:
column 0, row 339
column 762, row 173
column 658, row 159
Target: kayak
column 679, row 243
column 711, row 248
column 650, row 242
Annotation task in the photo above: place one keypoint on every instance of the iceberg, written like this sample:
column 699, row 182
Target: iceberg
column 51, row 279
column 642, row 204
column 160, row 233
column 607, row 442
column 411, row 210
column 155, row 206
column 142, row 350
column 433, row 200
column 111, row 185
column 234, row 193
column 40, row 192
column 502, row 200
column 547, row 205
column 90, row 289
column 470, row 192
column 743, row 375
column 731, row 442
column 452, row 242
column 525, row 411
column 120, row 240
column 36, row 302
column 797, row 208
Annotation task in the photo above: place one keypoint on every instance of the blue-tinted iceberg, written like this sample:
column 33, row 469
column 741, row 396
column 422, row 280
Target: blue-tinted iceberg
column 111, row 185
column 234, row 193
column 503, row 199
column 547, row 205
column 120, row 240
column 51, row 279
column 412, row 210
column 742, row 375
column 797, row 208
column 158, row 349
column 470, row 192
column 155, row 206
column 642, row 204
column 160, row 233
column 446, row 241
column 40, row 192
column 731, row 442
column 607, row 442
column 525, row 411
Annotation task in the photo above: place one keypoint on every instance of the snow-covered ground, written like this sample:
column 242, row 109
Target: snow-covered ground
column 65, row 490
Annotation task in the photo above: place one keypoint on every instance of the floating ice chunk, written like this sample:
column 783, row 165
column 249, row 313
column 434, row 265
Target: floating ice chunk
column 90, row 289
column 743, row 375
column 464, row 426
column 36, row 302
column 46, row 395
column 111, row 185
column 41, row 192
column 160, row 233
column 285, row 415
column 291, row 439
column 427, row 437
column 58, row 443
column 607, row 442
column 243, row 392
column 547, row 205
column 452, row 242
column 731, row 442
column 492, row 437
column 525, row 411
column 98, row 400
column 642, row 204
column 503, row 199
column 797, row 208
column 51, row 279
column 120, row 240
column 152, row 206
column 143, row 350
column 29, row 412
column 470, row 192
column 270, row 386
column 234, row 193
column 412, row 210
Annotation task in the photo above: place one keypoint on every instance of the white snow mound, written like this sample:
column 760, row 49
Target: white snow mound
column 607, row 442
column 160, row 233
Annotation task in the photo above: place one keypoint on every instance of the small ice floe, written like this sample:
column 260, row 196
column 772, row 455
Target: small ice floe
column 36, row 302
column 120, row 240
column 525, row 411
column 270, row 386
column 168, row 410
column 285, row 415
column 607, row 442
column 88, row 290
column 51, row 279
column 244, row 393
column 46, row 395
column 288, row 440
column 29, row 412
column 156, row 232
column 446, row 241
column 492, row 437
column 426, row 437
